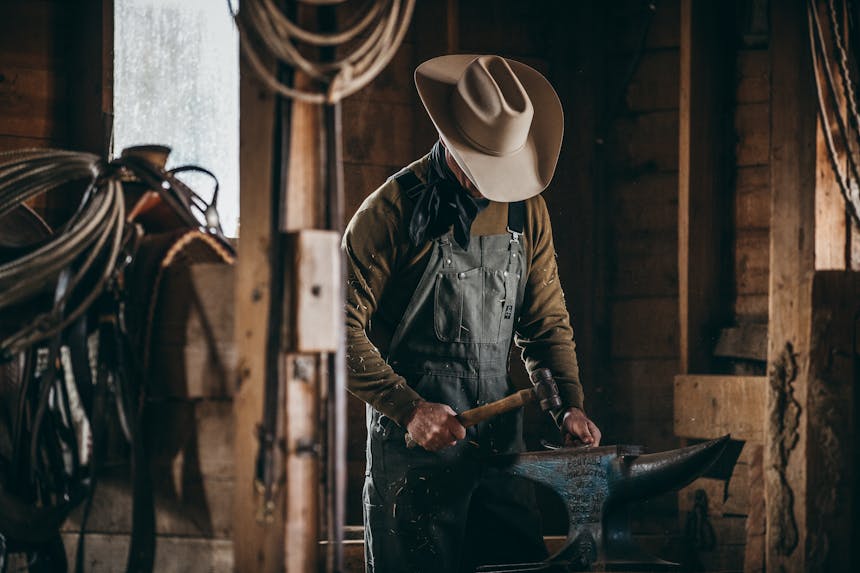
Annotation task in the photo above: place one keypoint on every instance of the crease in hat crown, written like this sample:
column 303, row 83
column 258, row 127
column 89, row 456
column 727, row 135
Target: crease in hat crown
column 491, row 106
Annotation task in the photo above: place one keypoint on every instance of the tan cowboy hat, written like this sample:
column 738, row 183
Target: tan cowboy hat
column 499, row 118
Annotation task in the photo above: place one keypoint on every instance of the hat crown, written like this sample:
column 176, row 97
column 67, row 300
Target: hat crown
column 491, row 106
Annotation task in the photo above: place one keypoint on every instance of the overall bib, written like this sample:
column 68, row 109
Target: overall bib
column 444, row 511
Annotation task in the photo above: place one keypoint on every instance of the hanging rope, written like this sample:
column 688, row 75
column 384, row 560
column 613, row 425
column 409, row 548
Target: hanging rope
column 375, row 35
column 830, row 108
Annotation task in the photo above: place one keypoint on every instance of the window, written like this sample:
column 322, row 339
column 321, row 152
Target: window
column 176, row 82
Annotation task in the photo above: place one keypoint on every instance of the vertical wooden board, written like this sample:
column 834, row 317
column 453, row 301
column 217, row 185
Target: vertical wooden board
column 430, row 41
column 654, row 86
column 576, row 69
column 646, row 142
column 831, row 472
column 751, row 262
column 648, row 202
column 633, row 419
column 630, row 16
column 753, row 77
column 754, row 550
column 645, row 265
column 645, row 328
column 508, row 27
column 377, row 133
column 752, row 124
column 305, row 184
column 752, row 198
column 316, row 275
column 258, row 547
column 304, row 378
column 394, row 83
column 703, row 141
column 89, row 43
column 854, row 247
column 831, row 219
column 792, row 256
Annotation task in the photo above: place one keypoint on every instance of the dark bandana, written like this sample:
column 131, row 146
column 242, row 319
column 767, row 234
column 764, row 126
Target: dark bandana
column 442, row 203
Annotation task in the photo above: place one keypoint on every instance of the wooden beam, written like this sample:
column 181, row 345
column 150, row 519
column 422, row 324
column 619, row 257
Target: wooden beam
column 304, row 374
column 706, row 83
column 831, row 217
column 788, row 451
column 831, row 423
column 707, row 407
column 90, row 44
column 258, row 546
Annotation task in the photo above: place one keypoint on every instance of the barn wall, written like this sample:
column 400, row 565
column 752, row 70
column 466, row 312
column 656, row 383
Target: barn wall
column 626, row 318
column 55, row 81
column 751, row 214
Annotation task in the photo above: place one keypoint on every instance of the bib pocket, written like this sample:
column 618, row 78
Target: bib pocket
column 469, row 306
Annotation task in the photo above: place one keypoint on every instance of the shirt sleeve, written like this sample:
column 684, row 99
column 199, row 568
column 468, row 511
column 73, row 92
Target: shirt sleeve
column 370, row 246
column 544, row 332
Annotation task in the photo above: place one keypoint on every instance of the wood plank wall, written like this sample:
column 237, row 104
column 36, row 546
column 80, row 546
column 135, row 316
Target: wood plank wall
column 751, row 214
column 34, row 75
column 642, row 186
column 55, row 80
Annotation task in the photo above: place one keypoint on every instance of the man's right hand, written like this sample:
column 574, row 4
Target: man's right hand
column 435, row 426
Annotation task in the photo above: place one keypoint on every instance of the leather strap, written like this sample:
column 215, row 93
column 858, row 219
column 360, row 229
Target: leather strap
column 517, row 217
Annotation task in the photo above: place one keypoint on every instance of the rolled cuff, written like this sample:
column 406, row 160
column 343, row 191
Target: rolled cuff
column 571, row 397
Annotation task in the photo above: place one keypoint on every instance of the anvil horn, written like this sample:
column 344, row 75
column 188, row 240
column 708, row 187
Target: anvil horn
column 652, row 474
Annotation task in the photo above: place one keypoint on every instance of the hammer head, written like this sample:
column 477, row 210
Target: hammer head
column 546, row 389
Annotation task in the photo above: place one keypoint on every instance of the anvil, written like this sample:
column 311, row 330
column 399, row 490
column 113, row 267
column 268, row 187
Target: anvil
column 597, row 486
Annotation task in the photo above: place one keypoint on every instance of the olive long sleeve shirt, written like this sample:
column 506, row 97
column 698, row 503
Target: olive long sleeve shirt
column 384, row 268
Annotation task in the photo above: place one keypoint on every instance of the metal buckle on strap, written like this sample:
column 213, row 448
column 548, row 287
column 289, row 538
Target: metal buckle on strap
column 515, row 236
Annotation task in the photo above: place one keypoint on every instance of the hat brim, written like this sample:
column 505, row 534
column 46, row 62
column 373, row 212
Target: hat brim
column 512, row 177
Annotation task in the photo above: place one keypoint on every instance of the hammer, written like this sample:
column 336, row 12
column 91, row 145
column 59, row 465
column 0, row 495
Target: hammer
column 544, row 389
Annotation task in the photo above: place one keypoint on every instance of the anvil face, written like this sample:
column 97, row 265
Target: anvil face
column 597, row 485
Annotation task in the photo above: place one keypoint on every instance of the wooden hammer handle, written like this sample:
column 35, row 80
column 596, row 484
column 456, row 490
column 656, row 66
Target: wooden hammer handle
column 477, row 415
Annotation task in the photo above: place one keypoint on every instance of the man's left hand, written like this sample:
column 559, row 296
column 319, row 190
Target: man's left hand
column 578, row 430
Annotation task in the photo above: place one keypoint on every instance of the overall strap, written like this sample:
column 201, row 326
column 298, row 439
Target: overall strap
column 516, row 219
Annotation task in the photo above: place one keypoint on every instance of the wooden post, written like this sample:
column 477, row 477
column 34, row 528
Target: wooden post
column 831, row 527
column 258, row 547
column 706, row 83
column 311, row 323
column 91, row 89
column 788, row 452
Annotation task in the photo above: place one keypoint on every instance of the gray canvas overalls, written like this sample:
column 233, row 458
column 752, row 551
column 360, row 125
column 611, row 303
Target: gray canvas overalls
column 445, row 511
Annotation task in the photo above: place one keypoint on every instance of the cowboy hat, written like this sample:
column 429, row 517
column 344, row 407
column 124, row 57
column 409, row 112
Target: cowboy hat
column 500, row 119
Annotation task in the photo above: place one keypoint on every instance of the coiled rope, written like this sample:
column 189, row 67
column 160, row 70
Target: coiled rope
column 88, row 244
column 382, row 23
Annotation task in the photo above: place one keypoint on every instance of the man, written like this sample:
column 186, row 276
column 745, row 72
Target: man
column 449, row 262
